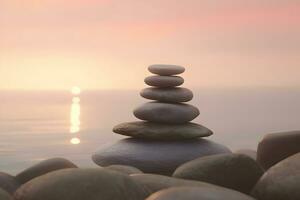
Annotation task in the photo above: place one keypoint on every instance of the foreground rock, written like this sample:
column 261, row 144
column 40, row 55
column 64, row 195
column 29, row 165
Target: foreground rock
column 235, row 171
column 4, row 195
column 80, row 184
column 8, row 183
column 277, row 146
column 164, row 81
column 156, row 156
column 281, row 182
column 166, row 70
column 157, row 131
column 43, row 168
column 166, row 113
column 124, row 169
column 248, row 152
column 201, row 193
column 170, row 95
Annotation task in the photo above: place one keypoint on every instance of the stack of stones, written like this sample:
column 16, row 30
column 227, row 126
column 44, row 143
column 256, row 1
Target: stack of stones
column 165, row 138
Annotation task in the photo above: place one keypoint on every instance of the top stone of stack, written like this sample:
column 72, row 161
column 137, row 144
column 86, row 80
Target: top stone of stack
column 166, row 70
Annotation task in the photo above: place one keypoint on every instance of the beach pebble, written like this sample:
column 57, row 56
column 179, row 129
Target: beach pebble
column 234, row 171
column 4, row 195
column 43, row 168
column 201, row 193
column 277, row 146
column 124, row 169
column 164, row 81
column 8, row 183
column 280, row 182
column 80, row 184
column 166, row 70
column 158, row 131
column 154, row 183
column 156, row 157
column 169, row 95
column 248, row 152
column 166, row 113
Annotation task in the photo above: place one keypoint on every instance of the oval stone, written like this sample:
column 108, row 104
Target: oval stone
column 164, row 81
column 124, row 169
column 166, row 112
column 158, row 131
column 194, row 193
column 44, row 167
column 234, row 171
column 157, row 157
column 276, row 147
column 80, row 184
column 8, row 183
column 169, row 95
column 280, row 182
column 166, row 70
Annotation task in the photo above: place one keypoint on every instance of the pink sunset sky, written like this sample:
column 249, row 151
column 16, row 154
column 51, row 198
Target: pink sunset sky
column 107, row 44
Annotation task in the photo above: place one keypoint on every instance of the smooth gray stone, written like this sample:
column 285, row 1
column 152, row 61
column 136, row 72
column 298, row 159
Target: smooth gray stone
column 157, row 131
column 154, row 183
column 164, row 81
column 43, row 168
column 248, row 152
column 4, row 195
column 166, row 70
column 157, row 157
column 201, row 193
column 8, row 183
column 81, row 184
column 280, row 182
column 124, row 169
column 166, row 113
column 171, row 95
column 234, row 171
column 277, row 146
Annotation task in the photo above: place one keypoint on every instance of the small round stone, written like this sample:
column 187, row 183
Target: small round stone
column 8, row 183
column 234, row 171
column 81, row 184
column 166, row 70
column 198, row 193
column 167, row 113
column 44, row 167
column 281, row 181
column 164, row 81
column 171, row 95
column 158, row 131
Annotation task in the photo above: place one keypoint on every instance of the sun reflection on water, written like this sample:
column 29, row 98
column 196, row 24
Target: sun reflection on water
column 75, row 115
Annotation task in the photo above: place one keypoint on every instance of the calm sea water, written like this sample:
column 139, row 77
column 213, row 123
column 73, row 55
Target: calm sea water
column 39, row 125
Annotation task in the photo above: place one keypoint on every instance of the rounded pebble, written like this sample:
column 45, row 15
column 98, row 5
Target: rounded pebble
column 166, row 70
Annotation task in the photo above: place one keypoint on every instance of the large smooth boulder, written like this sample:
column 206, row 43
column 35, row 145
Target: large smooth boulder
column 4, row 195
column 79, row 184
column 44, row 167
column 157, row 131
column 234, row 171
column 277, row 146
column 169, row 95
column 157, row 157
column 8, row 183
column 164, row 81
column 198, row 193
column 175, row 113
column 124, row 169
column 166, row 70
column 280, row 182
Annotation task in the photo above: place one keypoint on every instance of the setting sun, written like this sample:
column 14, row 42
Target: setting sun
column 76, row 90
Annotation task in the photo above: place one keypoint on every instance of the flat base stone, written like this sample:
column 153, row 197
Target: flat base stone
column 156, row 157
column 157, row 131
